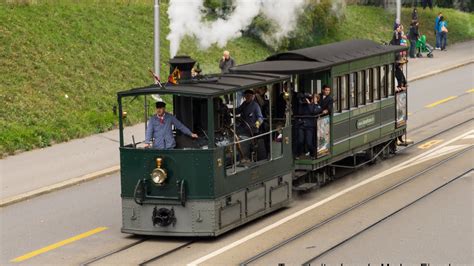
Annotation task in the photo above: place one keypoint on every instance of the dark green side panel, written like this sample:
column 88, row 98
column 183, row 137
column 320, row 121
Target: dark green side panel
column 193, row 166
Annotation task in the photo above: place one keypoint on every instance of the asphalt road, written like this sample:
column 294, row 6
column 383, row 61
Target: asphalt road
column 48, row 219
column 437, row 230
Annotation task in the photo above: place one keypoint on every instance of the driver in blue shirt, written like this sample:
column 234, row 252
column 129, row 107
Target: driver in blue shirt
column 159, row 129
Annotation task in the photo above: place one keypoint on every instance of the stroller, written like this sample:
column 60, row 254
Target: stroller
column 423, row 47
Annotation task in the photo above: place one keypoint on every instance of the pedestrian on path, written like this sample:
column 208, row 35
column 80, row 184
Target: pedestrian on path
column 413, row 37
column 443, row 28
column 437, row 31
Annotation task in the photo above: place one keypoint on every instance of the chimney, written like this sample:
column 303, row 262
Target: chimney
column 184, row 64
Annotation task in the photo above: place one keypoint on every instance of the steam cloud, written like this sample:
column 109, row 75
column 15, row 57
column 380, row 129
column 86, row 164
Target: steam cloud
column 187, row 18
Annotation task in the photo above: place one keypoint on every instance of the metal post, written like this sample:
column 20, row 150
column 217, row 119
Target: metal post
column 399, row 8
column 157, row 37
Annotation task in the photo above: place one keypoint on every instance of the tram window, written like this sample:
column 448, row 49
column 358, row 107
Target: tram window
column 335, row 93
column 247, row 143
column 390, row 79
column 368, row 86
column 383, row 82
column 352, row 90
column 343, row 92
column 375, row 83
column 360, row 88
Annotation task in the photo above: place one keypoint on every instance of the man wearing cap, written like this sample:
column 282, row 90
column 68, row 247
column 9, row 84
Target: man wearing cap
column 159, row 128
column 250, row 112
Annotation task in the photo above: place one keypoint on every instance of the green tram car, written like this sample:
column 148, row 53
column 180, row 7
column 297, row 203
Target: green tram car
column 231, row 175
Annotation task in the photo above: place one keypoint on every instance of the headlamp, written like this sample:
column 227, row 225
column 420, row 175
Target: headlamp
column 158, row 175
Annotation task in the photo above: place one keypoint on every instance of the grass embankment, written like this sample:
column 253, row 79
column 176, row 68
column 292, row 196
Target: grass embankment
column 61, row 64
column 365, row 22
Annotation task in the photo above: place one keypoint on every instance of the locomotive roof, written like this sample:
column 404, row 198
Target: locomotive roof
column 211, row 86
column 319, row 57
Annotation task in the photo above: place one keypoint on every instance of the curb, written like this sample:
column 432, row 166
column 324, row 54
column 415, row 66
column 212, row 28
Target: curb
column 432, row 73
column 113, row 169
column 58, row 186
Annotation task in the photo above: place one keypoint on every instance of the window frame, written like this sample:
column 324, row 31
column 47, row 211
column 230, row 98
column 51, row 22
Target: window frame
column 343, row 92
column 391, row 79
column 360, row 88
column 352, row 90
column 369, row 97
column 375, row 83
column 335, row 94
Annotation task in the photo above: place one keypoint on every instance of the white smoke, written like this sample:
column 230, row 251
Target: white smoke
column 187, row 18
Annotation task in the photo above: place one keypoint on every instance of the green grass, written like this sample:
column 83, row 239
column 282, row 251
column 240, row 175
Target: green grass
column 88, row 52
column 90, row 49
column 366, row 22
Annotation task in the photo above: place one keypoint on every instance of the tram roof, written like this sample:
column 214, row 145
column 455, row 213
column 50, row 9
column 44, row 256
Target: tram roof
column 210, row 86
column 319, row 57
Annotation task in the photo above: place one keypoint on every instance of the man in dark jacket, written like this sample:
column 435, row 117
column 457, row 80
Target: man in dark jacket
column 226, row 62
column 413, row 37
column 251, row 113
column 326, row 101
column 306, row 124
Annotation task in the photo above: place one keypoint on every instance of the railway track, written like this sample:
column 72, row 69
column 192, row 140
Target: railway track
column 385, row 218
column 364, row 202
column 128, row 247
column 180, row 245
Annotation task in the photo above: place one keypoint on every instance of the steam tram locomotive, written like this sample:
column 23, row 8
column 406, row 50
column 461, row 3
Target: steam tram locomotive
column 232, row 174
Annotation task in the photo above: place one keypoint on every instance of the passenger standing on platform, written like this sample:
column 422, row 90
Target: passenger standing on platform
column 326, row 101
column 306, row 125
column 401, row 80
column 159, row 129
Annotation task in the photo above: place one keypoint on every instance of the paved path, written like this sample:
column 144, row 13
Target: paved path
column 36, row 172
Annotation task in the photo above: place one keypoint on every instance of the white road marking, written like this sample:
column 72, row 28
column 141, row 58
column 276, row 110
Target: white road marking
column 317, row 204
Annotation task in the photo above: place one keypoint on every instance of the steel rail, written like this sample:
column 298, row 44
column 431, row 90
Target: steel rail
column 108, row 254
column 307, row 263
column 126, row 247
column 167, row 253
column 437, row 133
column 453, row 113
column 343, row 212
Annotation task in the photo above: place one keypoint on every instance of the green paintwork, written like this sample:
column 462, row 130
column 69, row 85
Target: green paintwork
column 198, row 174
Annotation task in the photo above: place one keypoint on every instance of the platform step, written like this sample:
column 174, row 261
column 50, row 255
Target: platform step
column 299, row 174
column 305, row 186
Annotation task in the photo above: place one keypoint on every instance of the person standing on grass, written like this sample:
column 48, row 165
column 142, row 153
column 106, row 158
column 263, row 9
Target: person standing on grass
column 437, row 32
column 226, row 62
column 443, row 28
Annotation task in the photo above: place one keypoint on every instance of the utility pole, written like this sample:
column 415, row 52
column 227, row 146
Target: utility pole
column 157, row 37
column 399, row 8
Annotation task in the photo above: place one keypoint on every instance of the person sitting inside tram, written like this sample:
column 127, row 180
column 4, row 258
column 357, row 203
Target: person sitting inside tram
column 326, row 101
column 250, row 113
column 309, row 108
column 159, row 129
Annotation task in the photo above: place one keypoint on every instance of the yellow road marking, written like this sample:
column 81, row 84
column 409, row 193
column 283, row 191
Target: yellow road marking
column 441, row 101
column 429, row 144
column 471, row 90
column 58, row 244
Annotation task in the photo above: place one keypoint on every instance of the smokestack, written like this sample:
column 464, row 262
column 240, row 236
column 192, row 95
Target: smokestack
column 184, row 64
